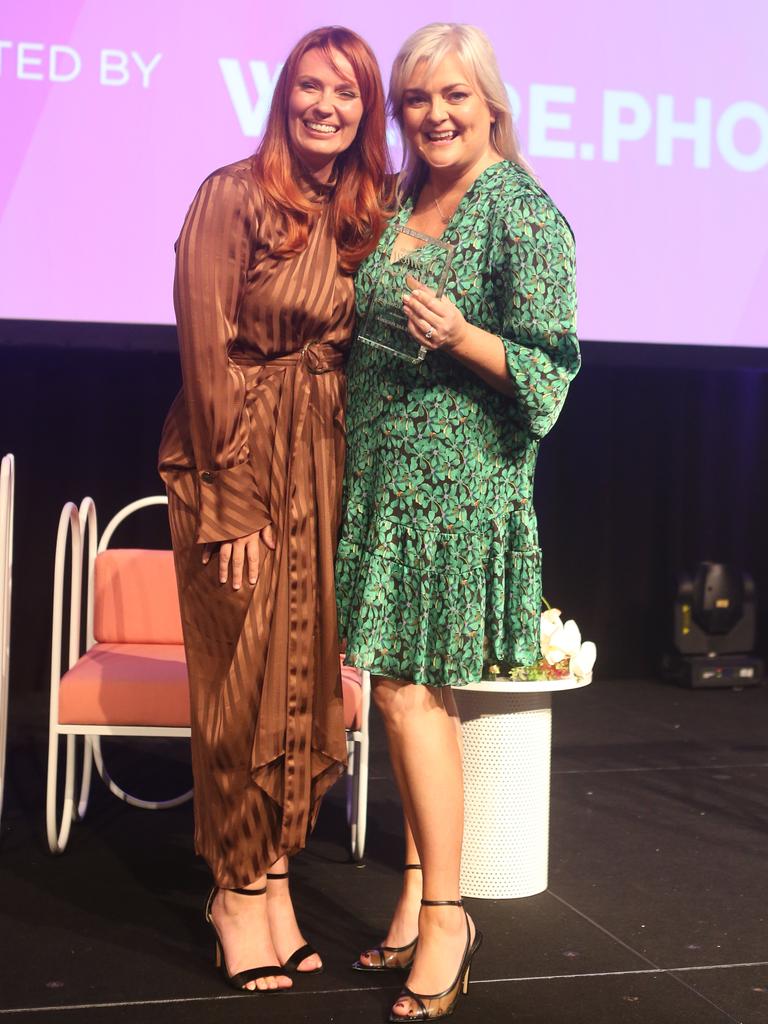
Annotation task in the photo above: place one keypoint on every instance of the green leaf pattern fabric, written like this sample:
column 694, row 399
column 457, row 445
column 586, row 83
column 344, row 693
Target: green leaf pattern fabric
column 438, row 565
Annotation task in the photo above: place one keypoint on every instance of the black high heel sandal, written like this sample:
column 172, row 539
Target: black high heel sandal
column 293, row 961
column 442, row 1004
column 241, row 979
column 391, row 958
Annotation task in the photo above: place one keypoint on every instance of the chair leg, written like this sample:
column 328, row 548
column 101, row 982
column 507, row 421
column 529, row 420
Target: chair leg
column 85, row 781
column 59, row 837
column 362, row 753
column 121, row 794
column 353, row 794
column 351, row 747
column 3, row 723
column 362, row 798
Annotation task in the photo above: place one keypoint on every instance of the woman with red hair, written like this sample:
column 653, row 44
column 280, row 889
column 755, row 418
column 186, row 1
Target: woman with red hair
column 252, row 456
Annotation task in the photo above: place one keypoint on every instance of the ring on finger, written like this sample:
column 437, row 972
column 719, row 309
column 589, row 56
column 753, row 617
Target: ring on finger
column 429, row 332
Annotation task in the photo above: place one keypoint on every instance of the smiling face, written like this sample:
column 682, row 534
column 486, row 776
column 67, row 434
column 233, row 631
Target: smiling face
column 445, row 119
column 324, row 111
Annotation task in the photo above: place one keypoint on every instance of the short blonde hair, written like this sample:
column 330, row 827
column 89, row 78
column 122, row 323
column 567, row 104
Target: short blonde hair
column 471, row 45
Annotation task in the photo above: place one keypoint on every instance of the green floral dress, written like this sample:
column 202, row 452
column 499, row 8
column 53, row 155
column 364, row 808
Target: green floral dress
column 438, row 565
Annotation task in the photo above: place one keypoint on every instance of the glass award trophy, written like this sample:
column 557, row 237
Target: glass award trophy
column 384, row 324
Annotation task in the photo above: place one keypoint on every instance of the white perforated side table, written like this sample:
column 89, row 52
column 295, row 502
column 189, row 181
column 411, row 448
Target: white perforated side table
column 507, row 730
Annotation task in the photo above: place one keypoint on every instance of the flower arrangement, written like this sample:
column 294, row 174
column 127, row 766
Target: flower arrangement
column 563, row 654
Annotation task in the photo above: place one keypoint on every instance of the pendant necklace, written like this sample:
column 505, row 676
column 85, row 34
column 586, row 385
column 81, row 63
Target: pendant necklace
column 443, row 218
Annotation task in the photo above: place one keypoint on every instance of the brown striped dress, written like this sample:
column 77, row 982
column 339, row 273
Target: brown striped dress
column 256, row 436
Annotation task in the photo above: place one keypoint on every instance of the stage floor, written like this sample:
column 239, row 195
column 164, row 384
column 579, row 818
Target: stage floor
column 655, row 913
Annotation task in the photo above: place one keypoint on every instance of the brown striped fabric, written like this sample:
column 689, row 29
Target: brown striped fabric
column 257, row 435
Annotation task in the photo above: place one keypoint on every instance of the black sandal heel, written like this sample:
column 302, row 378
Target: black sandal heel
column 293, row 961
column 241, row 979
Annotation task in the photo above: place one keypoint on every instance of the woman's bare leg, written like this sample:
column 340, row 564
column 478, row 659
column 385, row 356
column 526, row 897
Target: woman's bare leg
column 426, row 755
column 243, row 928
column 404, row 925
column 283, row 925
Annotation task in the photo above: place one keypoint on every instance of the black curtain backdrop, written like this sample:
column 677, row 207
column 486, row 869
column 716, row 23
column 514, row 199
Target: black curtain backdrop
column 657, row 462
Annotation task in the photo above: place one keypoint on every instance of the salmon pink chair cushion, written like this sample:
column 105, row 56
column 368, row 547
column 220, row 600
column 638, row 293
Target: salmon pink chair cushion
column 126, row 684
column 352, row 689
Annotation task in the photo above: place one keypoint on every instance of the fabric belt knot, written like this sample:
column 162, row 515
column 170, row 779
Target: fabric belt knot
column 316, row 357
column 320, row 357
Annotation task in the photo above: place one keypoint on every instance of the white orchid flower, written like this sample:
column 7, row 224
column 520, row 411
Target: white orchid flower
column 550, row 622
column 571, row 641
column 562, row 644
column 583, row 661
column 551, row 648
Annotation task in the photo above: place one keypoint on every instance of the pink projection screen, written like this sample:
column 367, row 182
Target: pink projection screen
column 647, row 123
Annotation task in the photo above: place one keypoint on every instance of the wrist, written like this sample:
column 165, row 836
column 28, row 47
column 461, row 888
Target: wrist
column 461, row 340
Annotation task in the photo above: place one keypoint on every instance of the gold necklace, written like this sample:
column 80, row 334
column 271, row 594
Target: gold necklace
column 443, row 218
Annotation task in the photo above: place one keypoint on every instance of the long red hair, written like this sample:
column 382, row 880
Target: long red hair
column 363, row 175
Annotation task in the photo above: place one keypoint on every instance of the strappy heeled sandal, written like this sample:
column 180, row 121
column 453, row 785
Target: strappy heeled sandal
column 391, row 958
column 293, row 961
column 241, row 979
column 442, row 1004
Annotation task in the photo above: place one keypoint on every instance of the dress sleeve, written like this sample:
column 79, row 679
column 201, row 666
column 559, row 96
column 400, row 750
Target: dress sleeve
column 538, row 302
column 212, row 258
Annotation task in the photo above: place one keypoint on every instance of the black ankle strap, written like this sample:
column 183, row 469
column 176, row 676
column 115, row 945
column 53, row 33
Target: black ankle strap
column 277, row 874
column 442, row 903
column 248, row 892
column 412, row 867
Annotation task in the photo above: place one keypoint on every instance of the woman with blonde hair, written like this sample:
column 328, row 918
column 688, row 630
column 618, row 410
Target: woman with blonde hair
column 439, row 564
column 252, row 455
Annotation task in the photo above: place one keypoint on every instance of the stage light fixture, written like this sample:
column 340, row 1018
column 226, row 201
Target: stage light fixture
column 714, row 629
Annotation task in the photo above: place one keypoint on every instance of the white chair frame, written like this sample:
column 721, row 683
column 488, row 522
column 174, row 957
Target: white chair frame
column 358, row 752
column 7, row 482
column 79, row 527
